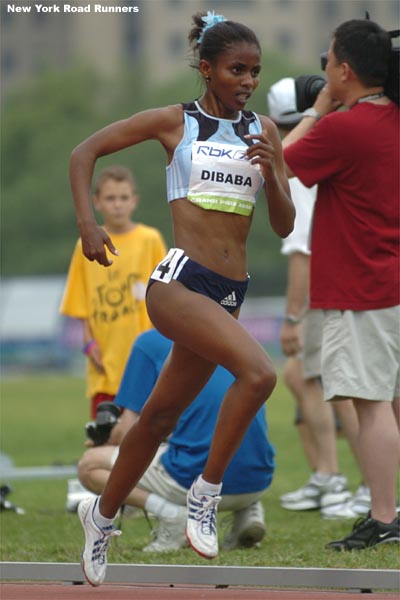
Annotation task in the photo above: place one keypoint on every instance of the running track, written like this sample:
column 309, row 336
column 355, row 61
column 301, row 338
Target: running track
column 60, row 591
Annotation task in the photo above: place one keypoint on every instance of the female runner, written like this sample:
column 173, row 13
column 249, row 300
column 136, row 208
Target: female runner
column 219, row 156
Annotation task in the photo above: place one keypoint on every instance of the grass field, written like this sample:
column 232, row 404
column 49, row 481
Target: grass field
column 42, row 423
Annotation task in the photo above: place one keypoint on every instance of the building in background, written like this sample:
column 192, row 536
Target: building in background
column 155, row 36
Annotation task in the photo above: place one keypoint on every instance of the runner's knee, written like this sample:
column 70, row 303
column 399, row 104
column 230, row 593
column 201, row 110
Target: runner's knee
column 160, row 423
column 261, row 380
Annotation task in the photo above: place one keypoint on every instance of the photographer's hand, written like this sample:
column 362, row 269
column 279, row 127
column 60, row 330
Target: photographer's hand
column 291, row 339
column 325, row 103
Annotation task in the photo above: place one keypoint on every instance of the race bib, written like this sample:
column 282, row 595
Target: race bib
column 169, row 266
column 222, row 178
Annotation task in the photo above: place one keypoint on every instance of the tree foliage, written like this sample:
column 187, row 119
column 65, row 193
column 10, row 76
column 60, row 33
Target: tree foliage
column 45, row 119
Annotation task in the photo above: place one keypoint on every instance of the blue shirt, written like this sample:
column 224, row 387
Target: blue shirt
column 252, row 466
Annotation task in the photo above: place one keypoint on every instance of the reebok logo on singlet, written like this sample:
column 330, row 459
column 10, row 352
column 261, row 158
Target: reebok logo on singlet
column 212, row 150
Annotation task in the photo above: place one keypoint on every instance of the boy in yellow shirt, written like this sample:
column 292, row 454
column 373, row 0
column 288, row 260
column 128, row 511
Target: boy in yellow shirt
column 111, row 302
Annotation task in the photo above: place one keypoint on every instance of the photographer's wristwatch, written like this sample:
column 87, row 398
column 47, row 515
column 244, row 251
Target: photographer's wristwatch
column 292, row 319
column 311, row 112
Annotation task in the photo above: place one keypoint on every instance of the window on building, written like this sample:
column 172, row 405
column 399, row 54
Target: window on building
column 8, row 62
column 285, row 4
column 6, row 17
column 133, row 38
column 285, row 40
column 39, row 18
column 395, row 12
column 329, row 9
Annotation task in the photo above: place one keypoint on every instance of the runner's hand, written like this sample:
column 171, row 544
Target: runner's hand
column 262, row 152
column 94, row 243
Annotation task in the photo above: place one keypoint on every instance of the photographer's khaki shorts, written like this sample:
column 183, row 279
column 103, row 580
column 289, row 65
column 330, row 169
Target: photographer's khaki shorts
column 312, row 343
column 158, row 481
column 361, row 354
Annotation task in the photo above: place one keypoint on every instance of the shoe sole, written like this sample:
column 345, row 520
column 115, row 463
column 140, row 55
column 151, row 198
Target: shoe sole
column 303, row 506
column 208, row 556
column 331, row 499
column 343, row 517
column 350, row 549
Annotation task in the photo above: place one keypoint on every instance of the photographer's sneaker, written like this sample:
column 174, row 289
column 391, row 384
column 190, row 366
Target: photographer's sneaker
column 368, row 532
column 356, row 506
column 94, row 555
column 248, row 528
column 201, row 526
column 170, row 534
column 318, row 492
column 76, row 492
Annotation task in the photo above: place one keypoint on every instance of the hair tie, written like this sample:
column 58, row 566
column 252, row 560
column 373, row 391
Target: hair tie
column 209, row 21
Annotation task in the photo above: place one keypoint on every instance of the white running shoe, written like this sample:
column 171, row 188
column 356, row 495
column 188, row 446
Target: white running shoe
column 170, row 534
column 357, row 506
column 94, row 555
column 201, row 526
column 317, row 493
column 248, row 528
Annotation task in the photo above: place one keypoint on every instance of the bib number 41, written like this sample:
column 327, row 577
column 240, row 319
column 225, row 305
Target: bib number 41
column 165, row 269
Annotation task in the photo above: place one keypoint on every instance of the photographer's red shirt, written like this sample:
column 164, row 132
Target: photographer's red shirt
column 353, row 156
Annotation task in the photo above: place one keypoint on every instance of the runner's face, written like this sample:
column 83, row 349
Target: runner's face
column 233, row 77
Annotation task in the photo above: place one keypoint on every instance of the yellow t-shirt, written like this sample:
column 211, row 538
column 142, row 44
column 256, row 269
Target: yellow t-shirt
column 113, row 300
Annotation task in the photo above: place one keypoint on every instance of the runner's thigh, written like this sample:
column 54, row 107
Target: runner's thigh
column 200, row 325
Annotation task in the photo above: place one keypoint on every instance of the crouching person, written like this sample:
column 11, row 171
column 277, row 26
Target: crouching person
column 164, row 486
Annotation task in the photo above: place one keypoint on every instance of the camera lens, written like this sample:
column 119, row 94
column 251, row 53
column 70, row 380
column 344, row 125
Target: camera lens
column 307, row 89
column 314, row 86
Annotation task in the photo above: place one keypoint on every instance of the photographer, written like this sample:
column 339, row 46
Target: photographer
column 353, row 156
column 163, row 488
column 301, row 339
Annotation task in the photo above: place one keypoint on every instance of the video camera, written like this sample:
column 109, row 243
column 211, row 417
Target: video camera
column 107, row 415
column 307, row 89
column 309, row 86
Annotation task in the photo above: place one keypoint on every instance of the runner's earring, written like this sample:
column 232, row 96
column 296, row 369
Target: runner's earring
column 207, row 79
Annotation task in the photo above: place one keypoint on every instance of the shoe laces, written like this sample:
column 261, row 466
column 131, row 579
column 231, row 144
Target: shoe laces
column 100, row 545
column 361, row 521
column 206, row 513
